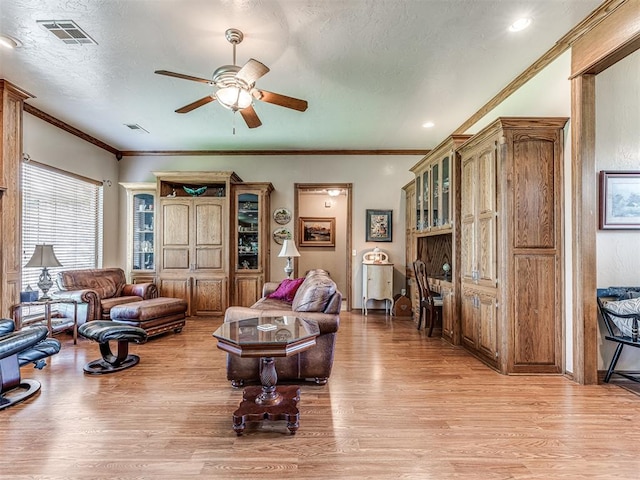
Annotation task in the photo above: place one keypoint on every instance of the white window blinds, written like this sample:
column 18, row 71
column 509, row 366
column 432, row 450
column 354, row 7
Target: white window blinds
column 64, row 210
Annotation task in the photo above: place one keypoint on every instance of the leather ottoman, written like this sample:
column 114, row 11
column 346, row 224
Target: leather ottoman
column 154, row 316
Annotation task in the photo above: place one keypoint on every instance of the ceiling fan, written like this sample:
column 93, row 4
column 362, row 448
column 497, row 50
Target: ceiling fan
column 236, row 88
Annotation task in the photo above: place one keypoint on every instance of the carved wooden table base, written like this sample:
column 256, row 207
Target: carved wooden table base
column 251, row 409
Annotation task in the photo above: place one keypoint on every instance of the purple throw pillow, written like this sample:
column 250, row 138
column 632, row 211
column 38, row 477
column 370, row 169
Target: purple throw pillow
column 287, row 289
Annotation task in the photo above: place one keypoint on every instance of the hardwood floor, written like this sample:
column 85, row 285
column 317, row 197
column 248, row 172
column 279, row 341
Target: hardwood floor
column 399, row 405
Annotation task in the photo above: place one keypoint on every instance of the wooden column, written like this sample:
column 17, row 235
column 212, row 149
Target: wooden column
column 604, row 44
column 584, row 218
column 11, row 102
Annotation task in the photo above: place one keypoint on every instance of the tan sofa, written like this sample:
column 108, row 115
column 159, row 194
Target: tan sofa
column 317, row 298
column 98, row 290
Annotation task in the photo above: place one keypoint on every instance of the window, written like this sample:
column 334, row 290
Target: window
column 64, row 210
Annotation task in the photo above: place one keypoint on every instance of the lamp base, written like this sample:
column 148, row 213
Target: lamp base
column 288, row 269
column 45, row 283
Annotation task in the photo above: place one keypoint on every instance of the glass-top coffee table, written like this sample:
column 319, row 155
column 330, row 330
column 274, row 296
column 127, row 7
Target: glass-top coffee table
column 266, row 338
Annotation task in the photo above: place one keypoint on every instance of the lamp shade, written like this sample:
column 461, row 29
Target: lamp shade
column 43, row 256
column 289, row 249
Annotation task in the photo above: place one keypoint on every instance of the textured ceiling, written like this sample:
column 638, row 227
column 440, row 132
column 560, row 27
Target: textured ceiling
column 373, row 71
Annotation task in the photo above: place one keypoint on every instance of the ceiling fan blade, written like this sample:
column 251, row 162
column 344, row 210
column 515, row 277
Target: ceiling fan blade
column 282, row 100
column 252, row 71
column 183, row 76
column 250, row 117
column 196, row 104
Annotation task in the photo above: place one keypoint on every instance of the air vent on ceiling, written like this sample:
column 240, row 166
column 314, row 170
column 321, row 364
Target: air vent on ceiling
column 68, row 31
column 136, row 128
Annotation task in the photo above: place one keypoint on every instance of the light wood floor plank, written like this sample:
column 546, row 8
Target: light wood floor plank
column 399, row 405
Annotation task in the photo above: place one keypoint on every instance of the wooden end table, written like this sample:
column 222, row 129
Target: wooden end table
column 54, row 324
column 266, row 338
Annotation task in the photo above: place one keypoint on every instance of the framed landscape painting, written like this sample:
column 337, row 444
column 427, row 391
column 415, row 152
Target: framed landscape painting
column 317, row 232
column 619, row 200
column 378, row 225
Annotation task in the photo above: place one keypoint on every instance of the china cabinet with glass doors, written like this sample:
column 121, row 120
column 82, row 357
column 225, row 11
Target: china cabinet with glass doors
column 435, row 176
column 250, row 241
column 141, row 211
column 434, row 239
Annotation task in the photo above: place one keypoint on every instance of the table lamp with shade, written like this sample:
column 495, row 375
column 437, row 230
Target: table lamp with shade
column 44, row 257
column 289, row 251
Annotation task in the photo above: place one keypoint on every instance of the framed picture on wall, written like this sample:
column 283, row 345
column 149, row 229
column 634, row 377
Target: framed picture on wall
column 619, row 200
column 379, row 225
column 317, row 232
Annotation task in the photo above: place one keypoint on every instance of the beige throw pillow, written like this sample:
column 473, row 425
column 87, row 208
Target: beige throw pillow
column 314, row 293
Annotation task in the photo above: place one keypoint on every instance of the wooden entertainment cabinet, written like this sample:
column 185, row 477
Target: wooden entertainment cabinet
column 210, row 248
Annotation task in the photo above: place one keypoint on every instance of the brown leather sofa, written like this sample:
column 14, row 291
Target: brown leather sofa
column 100, row 289
column 317, row 298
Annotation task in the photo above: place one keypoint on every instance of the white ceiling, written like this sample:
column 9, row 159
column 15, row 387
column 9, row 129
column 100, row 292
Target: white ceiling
column 373, row 71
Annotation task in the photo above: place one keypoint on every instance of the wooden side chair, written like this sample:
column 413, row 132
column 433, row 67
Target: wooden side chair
column 430, row 305
column 621, row 315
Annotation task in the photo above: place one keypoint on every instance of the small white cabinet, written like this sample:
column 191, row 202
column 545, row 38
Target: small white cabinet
column 377, row 280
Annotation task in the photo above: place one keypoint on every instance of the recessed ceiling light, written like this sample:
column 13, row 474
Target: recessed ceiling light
column 520, row 24
column 9, row 42
column 428, row 124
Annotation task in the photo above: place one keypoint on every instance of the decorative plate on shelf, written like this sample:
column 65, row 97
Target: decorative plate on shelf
column 282, row 216
column 281, row 234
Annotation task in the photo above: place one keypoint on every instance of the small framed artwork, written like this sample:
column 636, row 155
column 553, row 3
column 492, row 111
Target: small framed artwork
column 317, row 232
column 378, row 225
column 619, row 200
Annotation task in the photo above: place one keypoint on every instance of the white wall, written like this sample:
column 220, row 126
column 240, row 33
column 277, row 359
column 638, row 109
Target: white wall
column 50, row 145
column 377, row 182
column 618, row 148
column 333, row 259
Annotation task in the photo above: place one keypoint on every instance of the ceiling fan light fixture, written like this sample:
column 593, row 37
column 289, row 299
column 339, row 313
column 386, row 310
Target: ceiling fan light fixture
column 234, row 98
column 235, row 87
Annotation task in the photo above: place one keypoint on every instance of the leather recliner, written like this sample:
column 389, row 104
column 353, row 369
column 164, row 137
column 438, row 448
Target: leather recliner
column 16, row 350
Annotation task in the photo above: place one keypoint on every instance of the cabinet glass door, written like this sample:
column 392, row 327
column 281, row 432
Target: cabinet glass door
column 435, row 196
column 445, row 196
column 418, row 202
column 426, row 197
column 143, row 231
column 248, row 246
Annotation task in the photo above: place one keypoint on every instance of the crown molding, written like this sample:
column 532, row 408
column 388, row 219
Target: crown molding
column 182, row 153
column 36, row 112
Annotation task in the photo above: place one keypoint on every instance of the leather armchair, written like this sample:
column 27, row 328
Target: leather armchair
column 100, row 289
column 16, row 350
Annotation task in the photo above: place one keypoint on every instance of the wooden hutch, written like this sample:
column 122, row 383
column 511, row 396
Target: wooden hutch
column 502, row 236
column 433, row 201
column 201, row 236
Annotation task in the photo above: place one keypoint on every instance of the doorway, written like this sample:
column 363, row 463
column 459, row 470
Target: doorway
column 328, row 204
